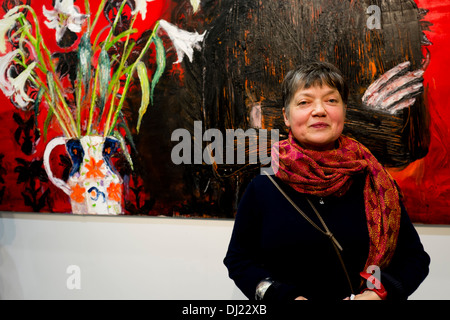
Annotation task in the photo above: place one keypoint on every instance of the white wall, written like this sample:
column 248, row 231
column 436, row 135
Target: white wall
column 143, row 258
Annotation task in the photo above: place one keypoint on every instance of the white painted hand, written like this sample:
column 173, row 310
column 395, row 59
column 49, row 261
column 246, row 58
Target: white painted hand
column 396, row 89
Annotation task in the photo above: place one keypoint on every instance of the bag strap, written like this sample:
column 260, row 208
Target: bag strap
column 337, row 247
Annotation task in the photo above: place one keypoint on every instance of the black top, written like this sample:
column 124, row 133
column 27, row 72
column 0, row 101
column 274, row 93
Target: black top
column 271, row 239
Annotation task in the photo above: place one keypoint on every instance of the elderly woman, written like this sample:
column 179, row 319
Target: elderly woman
column 330, row 224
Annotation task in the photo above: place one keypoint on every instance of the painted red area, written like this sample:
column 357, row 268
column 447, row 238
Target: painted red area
column 426, row 182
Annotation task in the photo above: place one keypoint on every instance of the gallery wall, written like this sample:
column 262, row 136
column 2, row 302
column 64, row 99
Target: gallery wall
column 86, row 257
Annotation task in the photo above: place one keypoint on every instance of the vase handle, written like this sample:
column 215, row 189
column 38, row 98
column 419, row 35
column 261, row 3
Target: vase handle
column 48, row 150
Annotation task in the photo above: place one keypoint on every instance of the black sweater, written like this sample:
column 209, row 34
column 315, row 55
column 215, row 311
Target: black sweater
column 271, row 239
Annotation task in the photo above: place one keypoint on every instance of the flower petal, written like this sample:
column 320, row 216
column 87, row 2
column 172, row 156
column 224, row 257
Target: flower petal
column 74, row 27
column 49, row 14
column 195, row 4
column 20, row 96
column 184, row 41
column 5, row 62
column 64, row 16
column 5, row 25
column 141, row 6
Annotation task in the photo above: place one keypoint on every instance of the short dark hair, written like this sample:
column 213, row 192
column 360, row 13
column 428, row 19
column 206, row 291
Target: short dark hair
column 312, row 74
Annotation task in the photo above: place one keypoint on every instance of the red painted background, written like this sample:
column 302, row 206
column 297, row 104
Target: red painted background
column 426, row 182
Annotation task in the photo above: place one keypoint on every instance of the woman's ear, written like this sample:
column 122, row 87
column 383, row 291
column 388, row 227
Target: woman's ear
column 286, row 118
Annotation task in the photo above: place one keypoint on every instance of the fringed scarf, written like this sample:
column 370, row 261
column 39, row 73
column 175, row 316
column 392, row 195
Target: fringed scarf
column 325, row 173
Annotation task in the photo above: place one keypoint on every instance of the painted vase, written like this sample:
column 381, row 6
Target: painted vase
column 94, row 186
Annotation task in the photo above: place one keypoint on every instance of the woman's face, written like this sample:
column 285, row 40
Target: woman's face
column 316, row 117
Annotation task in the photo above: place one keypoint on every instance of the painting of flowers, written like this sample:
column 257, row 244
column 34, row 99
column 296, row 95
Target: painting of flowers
column 72, row 65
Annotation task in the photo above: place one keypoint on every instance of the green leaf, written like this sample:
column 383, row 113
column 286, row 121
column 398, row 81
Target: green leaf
column 54, row 102
column 37, row 102
column 47, row 122
column 160, row 63
column 51, row 88
column 104, row 78
column 123, row 69
column 123, row 145
column 78, row 91
column 145, row 89
column 84, row 58
column 123, row 124
column 119, row 37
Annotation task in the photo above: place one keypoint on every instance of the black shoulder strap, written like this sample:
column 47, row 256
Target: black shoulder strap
column 327, row 232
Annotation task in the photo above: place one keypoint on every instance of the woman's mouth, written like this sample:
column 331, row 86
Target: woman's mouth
column 319, row 125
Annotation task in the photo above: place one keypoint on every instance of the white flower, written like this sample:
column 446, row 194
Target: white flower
column 64, row 16
column 141, row 6
column 5, row 62
column 195, row 4
column 20, row 97
column 8, row 21
column 184, row 41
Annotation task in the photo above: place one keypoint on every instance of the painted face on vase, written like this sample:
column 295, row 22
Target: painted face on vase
column 316, row 116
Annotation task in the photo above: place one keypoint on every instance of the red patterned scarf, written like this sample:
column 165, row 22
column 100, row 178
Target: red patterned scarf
column 324, row 173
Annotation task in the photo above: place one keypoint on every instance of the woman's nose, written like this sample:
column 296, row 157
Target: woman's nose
column 319, row 109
